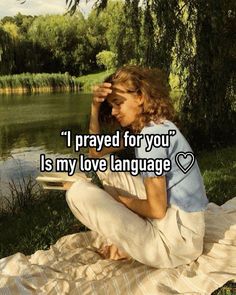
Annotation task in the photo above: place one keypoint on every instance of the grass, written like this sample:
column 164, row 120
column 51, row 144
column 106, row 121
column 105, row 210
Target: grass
column 218, row 168
column 90, row 80
column 36, row 219
column 36, row 226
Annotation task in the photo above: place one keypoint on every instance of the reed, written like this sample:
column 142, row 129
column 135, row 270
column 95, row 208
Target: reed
column 43, row 82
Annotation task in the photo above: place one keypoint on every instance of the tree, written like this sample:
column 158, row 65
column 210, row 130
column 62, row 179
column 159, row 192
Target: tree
column 72, row 41
column 6, row 52
column 198, row 34
column 107, row 59
column 148, row 39
column 12, row 30
column 95, row 33
column 207, row 105
column 22, row 50
column 64, row 38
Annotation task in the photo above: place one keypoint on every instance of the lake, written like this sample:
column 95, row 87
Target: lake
column 30, row 125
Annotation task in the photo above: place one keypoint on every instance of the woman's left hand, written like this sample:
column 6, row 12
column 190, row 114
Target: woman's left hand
column 67, row 185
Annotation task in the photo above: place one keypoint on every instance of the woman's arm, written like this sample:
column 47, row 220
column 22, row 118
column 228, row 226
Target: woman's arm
column 155, row 205
column 100, row 93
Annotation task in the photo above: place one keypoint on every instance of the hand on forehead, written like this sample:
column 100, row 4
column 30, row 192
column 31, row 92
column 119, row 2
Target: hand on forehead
column 119, row 92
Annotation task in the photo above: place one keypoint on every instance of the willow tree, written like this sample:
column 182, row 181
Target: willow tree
column 207, row 106
column 198, row 36
column 6, row 52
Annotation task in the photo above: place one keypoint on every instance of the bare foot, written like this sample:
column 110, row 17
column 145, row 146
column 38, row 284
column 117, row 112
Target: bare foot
column 113, row 253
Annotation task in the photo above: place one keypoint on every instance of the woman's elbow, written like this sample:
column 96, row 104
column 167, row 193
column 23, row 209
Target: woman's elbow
column 161, row 213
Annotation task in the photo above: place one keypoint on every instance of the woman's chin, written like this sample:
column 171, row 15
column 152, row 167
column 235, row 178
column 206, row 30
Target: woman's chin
column 119, row 122
column 123, row 124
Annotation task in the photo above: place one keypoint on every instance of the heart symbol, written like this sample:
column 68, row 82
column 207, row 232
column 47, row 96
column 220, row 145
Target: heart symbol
column 181, row 165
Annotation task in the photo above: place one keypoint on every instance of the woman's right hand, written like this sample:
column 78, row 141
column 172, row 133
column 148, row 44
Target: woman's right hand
column 100, row 93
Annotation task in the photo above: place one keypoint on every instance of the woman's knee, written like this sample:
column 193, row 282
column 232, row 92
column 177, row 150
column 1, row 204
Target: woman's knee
column 86, row 194
column 77, row 192
column 71, row 196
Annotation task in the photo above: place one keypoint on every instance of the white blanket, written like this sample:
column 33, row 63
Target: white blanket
column 73, row 266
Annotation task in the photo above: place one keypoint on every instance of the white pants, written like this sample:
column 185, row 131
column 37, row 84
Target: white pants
column 173, row 240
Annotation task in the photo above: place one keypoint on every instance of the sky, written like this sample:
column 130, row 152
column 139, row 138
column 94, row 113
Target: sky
column 37, row 7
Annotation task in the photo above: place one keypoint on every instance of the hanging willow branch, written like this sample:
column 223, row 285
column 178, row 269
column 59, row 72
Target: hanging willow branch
column 197, row 35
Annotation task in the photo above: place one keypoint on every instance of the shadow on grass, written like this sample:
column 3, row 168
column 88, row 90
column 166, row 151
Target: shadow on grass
column 219, row 173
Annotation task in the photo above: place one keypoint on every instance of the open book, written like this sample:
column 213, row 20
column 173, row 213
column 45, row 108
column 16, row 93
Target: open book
column 57, row 180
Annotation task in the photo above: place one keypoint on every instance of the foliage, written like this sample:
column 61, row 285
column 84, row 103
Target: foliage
column 37, row 226
column 207, row 105
column 22, row 195
column 122, row 30
column 52, row 43
column 64, row 38
column 19, row 47
column 21, row 21
column 12, row 30
column 6, row 52
column 196, row 36
column 107, row 59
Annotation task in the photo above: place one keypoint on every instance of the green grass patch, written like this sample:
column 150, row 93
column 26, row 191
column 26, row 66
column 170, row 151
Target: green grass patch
column 33, row 219
column 218, row 168
column 228, row 289
column 88, row 81
column 38, row 226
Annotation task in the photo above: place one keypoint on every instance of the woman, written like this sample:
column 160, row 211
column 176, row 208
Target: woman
column 156, row 220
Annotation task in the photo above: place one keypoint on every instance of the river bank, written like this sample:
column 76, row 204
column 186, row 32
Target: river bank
column 37, row 83
column 49, row 83
column 44, row 82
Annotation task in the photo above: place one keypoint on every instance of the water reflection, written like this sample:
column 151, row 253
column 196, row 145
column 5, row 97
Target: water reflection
column 31, row 125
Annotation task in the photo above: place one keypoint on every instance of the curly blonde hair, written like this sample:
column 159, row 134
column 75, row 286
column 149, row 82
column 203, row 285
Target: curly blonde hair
column 153, row 85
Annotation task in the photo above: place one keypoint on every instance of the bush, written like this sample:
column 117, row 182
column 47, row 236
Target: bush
column 108, row 59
